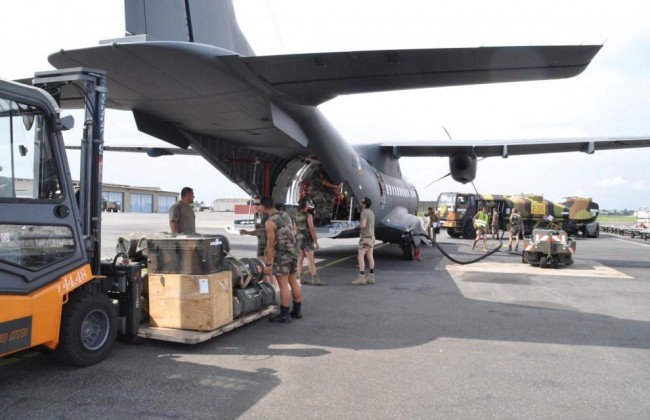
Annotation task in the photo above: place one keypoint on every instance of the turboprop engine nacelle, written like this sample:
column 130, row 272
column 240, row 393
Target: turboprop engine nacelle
column 462, row 168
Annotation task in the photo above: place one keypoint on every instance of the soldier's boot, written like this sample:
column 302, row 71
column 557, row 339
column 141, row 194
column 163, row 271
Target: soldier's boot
column 509, row 248
column 361, row 279
column 370, row 278
column 315, row 280
column 283, row 317
column 303, row 280
column 295, row 311
column 516, row 247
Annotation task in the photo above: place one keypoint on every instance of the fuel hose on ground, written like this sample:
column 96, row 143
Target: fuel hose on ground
column 474, row 260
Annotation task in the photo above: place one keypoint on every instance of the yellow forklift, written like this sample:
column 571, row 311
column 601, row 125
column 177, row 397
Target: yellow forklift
column 55, row 290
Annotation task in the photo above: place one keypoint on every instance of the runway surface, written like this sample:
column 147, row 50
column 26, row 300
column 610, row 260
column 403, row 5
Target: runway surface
column 432, row 339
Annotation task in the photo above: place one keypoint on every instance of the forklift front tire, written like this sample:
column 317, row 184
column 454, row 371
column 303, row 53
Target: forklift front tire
column 88, row 329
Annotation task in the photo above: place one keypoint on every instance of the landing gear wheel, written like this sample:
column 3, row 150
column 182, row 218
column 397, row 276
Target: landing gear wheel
column 408, row 251
column 543, row 261
column 88, row 329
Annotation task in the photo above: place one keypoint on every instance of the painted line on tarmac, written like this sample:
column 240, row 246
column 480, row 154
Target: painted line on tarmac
column 526, row 269
column 346, row 258
column 628, row 241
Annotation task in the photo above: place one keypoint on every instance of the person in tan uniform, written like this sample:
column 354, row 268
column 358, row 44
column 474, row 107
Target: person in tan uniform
column 366, row 244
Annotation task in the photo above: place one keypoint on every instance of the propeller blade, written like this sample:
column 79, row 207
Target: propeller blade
column 442, row 177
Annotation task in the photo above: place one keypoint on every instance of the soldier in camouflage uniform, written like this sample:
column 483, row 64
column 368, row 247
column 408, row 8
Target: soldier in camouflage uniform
column 494, row 223
column 322, row 194
column 307, row 242
column 282, row 259
column 260, row 232
column 516, row 228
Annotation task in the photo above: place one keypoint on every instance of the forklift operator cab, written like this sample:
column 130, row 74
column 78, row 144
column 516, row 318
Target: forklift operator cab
column 39, row 234
column 48, row 293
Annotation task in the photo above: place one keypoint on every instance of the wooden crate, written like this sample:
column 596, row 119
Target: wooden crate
column 192, row 302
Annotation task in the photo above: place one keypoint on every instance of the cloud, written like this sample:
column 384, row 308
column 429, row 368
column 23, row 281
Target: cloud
column 617, row 181
column 639, row 185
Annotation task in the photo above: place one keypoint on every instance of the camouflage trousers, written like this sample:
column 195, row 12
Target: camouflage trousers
column 305, row 242
column 285, row 264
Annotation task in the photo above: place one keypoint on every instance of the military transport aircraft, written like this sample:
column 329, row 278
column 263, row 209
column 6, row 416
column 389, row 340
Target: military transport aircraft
column 190, row 78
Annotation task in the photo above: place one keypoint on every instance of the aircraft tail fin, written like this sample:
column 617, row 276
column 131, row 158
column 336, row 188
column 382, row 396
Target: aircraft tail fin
column 201, row 21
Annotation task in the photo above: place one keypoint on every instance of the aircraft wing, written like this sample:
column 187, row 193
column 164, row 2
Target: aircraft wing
column 504, row 149
column 141, row 72
column 236, row 111
column 316, row 78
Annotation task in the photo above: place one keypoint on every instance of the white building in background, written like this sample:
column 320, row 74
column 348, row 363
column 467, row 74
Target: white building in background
column 228, row 204
column 643, row 216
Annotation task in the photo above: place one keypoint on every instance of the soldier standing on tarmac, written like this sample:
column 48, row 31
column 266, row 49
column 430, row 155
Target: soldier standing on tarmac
column 495, row 223
column 181, row 215
column 515, row 228
column 282, row 259
column 260, row 232
column 434, row 223
column 366, row 244
column 307, row 242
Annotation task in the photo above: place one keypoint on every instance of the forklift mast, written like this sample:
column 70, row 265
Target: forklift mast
column 85, row 88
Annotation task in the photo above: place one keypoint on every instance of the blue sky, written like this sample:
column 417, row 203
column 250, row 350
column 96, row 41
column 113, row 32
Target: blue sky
column 611, row 98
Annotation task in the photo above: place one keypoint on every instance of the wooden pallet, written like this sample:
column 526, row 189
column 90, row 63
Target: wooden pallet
column 195, row 337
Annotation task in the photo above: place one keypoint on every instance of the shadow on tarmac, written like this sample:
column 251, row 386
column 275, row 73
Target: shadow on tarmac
column 411, row 304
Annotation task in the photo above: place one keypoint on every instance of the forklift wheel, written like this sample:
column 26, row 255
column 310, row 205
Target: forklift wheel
column 88, row 329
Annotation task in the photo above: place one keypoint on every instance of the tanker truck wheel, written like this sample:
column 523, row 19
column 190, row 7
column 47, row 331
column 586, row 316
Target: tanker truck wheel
column 88, row 329
column 468, row 230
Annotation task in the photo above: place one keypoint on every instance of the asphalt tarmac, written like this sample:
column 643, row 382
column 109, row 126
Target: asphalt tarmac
column 432, row 339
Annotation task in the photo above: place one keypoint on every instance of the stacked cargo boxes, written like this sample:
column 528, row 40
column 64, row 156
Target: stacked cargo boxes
column 187, row 287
